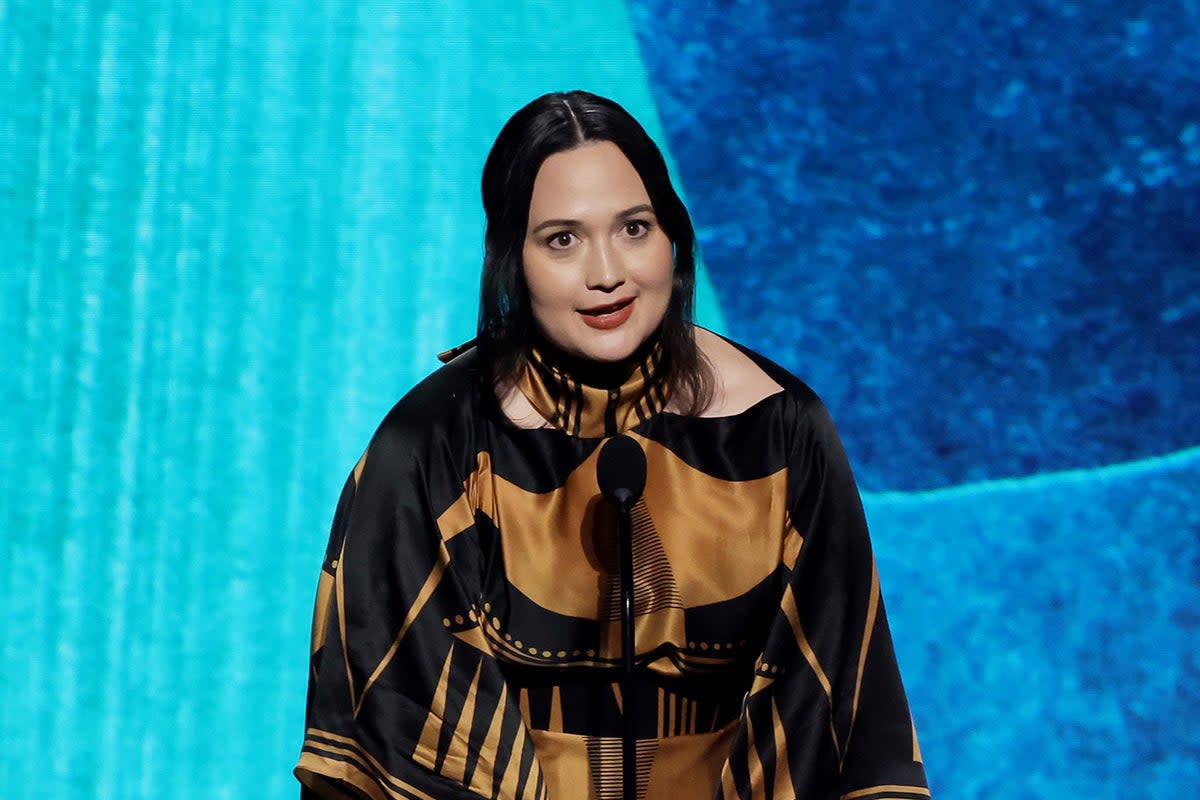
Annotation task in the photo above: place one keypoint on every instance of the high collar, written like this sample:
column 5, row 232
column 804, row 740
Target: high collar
column 590, row 400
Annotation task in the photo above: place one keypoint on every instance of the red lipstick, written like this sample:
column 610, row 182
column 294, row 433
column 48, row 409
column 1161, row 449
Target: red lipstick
column 608, row 316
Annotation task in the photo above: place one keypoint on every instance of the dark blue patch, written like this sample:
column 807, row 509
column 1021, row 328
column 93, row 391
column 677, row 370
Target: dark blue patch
column 974, row 228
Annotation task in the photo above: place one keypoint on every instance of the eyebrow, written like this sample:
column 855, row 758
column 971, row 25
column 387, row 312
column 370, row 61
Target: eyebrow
column 574, row 223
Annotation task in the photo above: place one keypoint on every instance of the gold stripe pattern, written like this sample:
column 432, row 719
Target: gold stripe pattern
column 426, row 751
column 783, row 787
column 793, row 615
column 604, row 756
column 758, row 788
column 321, row 609
column 454, row 764
column 587, row 411
column 556, row 719
column 887, row 792
column 790, row 610
column 916, row 745
column 426, row 591
column 868, row 629
column 363, row 771
column 483, row 777
column 339, row 592
column 728, row 787
column 793, row 542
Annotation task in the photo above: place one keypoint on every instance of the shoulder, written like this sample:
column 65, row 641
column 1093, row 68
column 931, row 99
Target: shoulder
column 744, row 378
column 438, row 413
column 816, row 455
column 447, row 387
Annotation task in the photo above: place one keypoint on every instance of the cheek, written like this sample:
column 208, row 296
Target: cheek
column 660, row 269
column 545, row 288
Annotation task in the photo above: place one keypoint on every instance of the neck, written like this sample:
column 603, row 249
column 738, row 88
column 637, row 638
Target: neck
column 600, row 374
column 594, row 399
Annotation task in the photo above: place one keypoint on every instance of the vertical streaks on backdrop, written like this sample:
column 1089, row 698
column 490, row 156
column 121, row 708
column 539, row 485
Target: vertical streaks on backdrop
column 435, row 237
column 239, row 232
column 257, row 196
column 138, row 457
column 193, row 560
column 409, row 254
column 322, row 168
column 173, row 527
column 80, row 607
column 118, row 182
column 22, row 491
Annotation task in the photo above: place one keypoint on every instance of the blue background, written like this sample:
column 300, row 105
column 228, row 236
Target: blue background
column 231, row 235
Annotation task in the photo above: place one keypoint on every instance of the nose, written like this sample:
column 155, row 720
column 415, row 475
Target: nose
column 605, row 269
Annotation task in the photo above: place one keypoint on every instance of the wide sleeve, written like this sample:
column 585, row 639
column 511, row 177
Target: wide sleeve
column 826, row 715
column 404, row 697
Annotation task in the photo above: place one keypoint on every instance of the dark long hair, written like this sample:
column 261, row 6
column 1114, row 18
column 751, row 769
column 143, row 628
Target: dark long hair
column 551, row 124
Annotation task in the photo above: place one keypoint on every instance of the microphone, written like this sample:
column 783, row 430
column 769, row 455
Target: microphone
column 621, row 473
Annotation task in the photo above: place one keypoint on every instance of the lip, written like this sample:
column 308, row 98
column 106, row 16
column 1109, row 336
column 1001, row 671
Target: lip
column 609, row 315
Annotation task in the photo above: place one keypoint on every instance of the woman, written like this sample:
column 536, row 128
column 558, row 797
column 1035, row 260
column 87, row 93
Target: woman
column 466, row 639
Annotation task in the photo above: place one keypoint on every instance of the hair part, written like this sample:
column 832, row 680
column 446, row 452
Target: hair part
column 554, row 123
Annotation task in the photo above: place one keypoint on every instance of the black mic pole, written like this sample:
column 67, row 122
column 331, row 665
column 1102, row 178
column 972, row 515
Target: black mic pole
column 621, row 473
column 629, row 733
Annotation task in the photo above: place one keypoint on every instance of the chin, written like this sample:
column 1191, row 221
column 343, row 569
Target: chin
column 609, row 348
column 606, row 355
column 610, row 357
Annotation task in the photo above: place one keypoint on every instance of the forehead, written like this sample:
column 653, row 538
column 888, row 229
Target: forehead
column 592, row 179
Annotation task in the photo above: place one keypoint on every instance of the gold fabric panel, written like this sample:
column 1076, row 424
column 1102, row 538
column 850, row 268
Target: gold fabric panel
column 558, row 544
column 668, row 769
column 734, row 523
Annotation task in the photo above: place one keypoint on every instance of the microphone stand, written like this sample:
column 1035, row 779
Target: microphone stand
column 628, row 733
column 621, row 475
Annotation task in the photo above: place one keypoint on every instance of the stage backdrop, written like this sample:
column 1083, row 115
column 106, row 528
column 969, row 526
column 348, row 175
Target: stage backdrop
column 232, row 234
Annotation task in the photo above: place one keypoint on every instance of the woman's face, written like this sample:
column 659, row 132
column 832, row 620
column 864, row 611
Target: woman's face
column 597, row 264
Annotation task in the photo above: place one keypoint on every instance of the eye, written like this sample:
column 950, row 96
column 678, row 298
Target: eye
column 561, row 240
column 636, row 228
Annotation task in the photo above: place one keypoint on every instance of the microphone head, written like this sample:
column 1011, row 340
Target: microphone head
column 621, row 470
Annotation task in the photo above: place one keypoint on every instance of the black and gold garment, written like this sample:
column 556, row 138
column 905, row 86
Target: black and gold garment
column 466, row 641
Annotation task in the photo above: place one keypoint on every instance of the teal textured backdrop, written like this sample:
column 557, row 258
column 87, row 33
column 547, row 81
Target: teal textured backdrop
column 231, row 236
